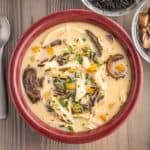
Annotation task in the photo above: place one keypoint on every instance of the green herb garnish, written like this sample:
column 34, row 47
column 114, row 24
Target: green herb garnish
column 71, row 49
column 98, row 63
column 63, row 102
column 88, row 77
column 59, row 83
column 86, row 50
column 70, row 80
column 70, row 128
column 77, row 108
column 83, row 39
column 79, row 58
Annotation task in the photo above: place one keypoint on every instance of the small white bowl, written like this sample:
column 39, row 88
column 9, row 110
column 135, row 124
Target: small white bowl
column 135, row 31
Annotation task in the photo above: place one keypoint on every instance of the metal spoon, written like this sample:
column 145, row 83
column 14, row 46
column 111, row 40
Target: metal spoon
column 4, row 36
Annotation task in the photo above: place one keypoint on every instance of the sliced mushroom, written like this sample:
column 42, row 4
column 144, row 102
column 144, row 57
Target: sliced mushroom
column 145, row 38
column 148, row 29
column 31, row 84
column 143, row 19
column 40, row 81
column 55, row 43
column 109, row 64
column 95, row 41
column 144, row 29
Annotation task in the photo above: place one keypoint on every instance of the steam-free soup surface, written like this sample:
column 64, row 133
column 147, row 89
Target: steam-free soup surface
column 75, row 76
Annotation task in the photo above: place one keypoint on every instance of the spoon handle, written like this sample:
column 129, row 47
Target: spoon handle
column 3, row 97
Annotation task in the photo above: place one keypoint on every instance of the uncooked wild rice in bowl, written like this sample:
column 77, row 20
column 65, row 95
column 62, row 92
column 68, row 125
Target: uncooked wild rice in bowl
column 112, row 7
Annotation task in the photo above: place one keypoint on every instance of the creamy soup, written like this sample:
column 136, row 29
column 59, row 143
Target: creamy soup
column 75, row 76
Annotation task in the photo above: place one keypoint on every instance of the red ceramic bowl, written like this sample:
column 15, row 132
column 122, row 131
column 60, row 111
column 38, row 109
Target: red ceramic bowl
column 41, row 26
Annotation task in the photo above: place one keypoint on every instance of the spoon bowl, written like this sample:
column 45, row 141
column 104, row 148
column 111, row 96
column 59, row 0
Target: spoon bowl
column 4, row 31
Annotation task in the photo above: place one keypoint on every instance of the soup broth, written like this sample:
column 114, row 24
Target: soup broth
column 75, row 76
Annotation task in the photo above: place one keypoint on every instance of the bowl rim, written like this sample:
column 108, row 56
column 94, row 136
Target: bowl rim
column 17, row 96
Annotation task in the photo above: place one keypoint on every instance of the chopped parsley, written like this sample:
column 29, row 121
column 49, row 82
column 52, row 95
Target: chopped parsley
column 70, row 128
column 98, row 63
column 64, row 115
column 83, row 39
column 70, row 80
column 71, row 49
column 59, row 83
column 63, row 102
column 79, row 58
column 88, row 77
column 77, row 108
column 86, row 50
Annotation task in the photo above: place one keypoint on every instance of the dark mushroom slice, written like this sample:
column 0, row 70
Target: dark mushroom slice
column 95, row 41
column 148, row 29
column 31, row 84
column 40, row 81
column 109, row 64
column 56, row 43
column 143, row 20
column 34, row 95
column 145, row 38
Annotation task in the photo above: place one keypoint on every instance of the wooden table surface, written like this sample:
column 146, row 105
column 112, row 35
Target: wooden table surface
column 134, row 134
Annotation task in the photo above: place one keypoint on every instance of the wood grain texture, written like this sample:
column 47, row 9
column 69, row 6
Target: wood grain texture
column 134, row 134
